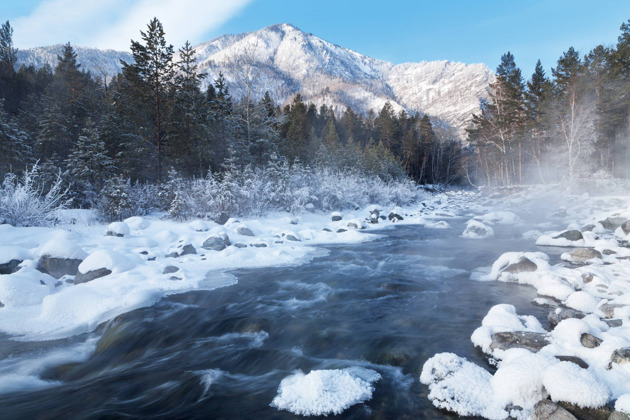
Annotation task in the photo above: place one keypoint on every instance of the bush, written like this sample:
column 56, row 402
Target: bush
column 25, row 201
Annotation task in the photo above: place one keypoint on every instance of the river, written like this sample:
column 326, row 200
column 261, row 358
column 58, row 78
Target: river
column 387, row 305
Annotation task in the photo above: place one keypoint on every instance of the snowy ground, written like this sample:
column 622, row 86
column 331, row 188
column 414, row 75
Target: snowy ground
column 581, row 359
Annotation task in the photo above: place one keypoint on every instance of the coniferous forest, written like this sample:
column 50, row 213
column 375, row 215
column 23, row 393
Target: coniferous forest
column 151, row 138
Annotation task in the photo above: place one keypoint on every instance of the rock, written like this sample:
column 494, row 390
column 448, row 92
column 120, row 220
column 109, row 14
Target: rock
column 601, row 413
column 175, row 278
column 613, row 323
column 548, row 410
column 532, row 341
column 374, row 218
column 563, row 313
column 524, row 265
column 608, row 252
column 239, row 245
column 91, row 275
column 587, row 277
column 393, row 216
column 188, row 249
column 581, row 255
column 353, row 225
column 173, row 254
column 618, row 415
column 326, row 230
column 590, row 341
column 625, row 226
column 342, row 230
column 259, row 245
column 245, row 231
column 291, row 238
column 620, row 356
column 10, row 267
column 571, row 235
column 581, row 363
column 215, row 243
column 169, row 269
column 335, row 217
column 58, row 267
column 609, row 309
column 221, row 219
column 588, row 228
column 612, row 223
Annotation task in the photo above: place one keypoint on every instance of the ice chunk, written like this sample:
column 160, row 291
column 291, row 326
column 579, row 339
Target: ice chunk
column 323, row 392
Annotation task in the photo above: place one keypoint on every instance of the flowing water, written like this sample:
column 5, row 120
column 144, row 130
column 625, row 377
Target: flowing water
column 387, row 305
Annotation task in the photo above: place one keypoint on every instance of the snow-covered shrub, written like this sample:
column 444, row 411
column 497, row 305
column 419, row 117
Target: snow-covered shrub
column 25, row 201
column 120, row 199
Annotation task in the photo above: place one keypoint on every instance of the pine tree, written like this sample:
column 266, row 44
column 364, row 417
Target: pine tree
column 15, row 151
column 151, row 76
column 538, row 88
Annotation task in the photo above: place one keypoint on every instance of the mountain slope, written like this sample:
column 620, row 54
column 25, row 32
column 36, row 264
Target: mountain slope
column 284, row 60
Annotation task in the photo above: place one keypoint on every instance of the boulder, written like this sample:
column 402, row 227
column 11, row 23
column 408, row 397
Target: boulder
column 582, row 255
column 609, row 309
column 394, row 216
column 571, row 235
column 374, row 218
column 549, row 410
column 608, row 252
column 214, row 243
column 563, row 313
column 524, row 265
column 612, row 223
column 91, row 275
column 590, row 341
column 261, row 245
column 169, row 269
column 187, row 249
column 581, row 363
column 532, row 341
column 221, row 219
column 293, row 238
column 620, row 356
column 341, row 230
column 601, row 413
column 239, row 245
column 58, row 267
column 244, row 230
column 625, row 227
column 613, row 323
column 336, row 216
column 10, row 267
column 618, row 415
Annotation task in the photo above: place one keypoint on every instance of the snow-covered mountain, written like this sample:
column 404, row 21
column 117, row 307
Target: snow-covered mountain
column 101, row 63
column 284, row 60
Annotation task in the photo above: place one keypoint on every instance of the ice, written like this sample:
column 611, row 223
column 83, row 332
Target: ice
column 566, row 381
column 324, row 392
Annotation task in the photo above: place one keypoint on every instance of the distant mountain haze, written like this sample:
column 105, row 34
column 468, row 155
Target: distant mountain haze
column 285, row 61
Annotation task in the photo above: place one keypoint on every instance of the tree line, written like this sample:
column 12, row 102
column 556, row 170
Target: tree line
column 154, row 117
column 571, row 125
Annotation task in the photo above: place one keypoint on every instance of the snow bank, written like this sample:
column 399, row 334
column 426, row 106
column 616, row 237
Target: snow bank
column 566, row 381
column 323, row 392
column 62, row 248
column 457, row 385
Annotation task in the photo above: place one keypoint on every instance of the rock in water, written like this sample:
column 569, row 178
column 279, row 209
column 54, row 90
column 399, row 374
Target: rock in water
column 612, row 223
column 524, row 265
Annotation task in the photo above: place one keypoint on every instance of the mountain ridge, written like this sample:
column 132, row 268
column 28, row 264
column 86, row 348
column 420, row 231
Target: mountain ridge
column 285, row 61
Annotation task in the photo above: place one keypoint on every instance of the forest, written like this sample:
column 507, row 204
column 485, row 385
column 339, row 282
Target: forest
column 150, row 136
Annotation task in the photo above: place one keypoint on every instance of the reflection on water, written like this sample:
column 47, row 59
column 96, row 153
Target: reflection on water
column 387, row 305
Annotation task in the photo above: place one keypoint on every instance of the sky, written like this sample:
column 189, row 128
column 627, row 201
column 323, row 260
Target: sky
column 469, row 31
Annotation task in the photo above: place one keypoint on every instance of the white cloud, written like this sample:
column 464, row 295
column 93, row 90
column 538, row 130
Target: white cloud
column 113, row 23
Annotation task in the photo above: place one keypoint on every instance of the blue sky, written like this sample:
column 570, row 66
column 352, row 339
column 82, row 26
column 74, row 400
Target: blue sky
column 398, row 31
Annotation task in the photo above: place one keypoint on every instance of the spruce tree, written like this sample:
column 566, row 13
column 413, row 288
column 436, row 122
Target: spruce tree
column 151, row 76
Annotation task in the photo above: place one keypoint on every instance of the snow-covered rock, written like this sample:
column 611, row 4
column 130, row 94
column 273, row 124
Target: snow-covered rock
column 477, row 230
column 324, row 392
column 119, row 229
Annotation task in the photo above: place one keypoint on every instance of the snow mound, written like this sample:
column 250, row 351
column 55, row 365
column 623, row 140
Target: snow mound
column 199, row 226
column 323, row 392
column 118, row 229
column 105, row 258
column 477, row 230
column 137, row 223
column 582, row 301
column 62, row 248
column 566, row 381
column 458, row 385
column 23, row 288
column 623, row 404
column 8, row 253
